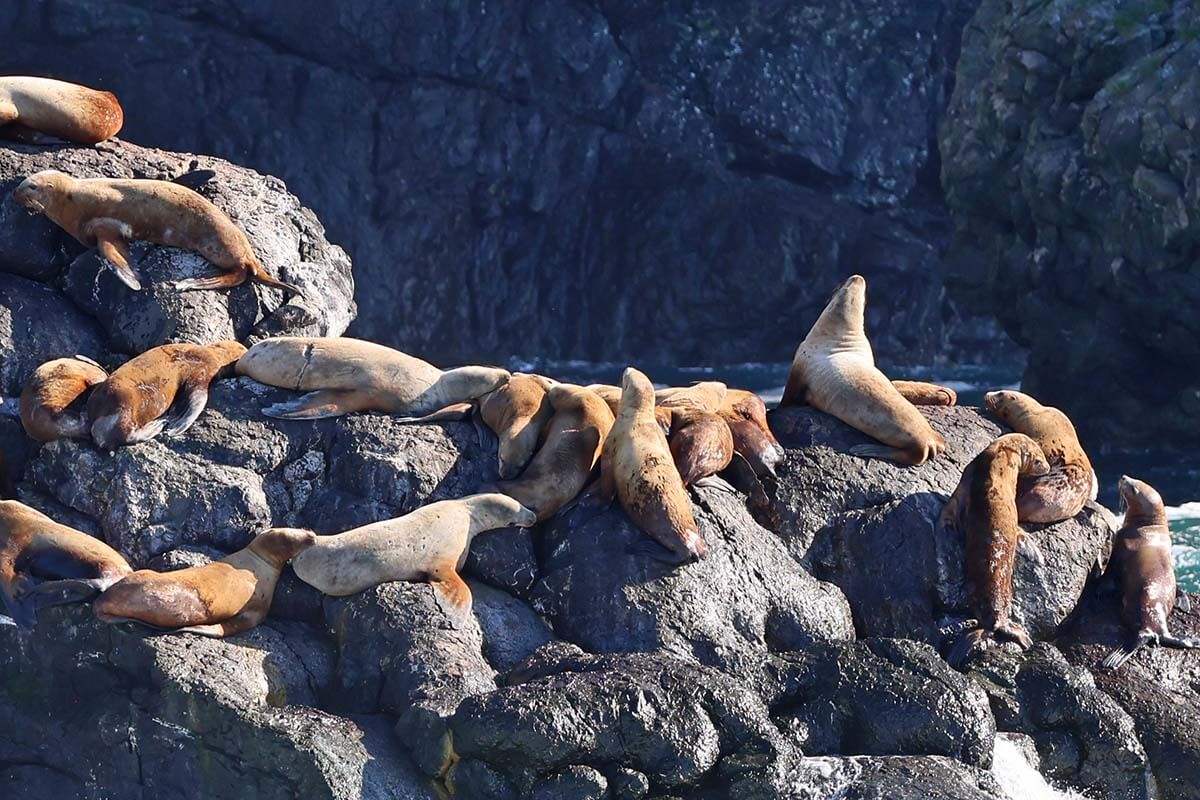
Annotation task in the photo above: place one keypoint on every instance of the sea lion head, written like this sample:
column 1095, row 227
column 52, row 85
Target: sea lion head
column 762, row 453
column 520, row 400
column 41, row 190
column 1008, row 404
column 278, row 546
column 844, row 312
column 493, row 510
column 637, row 392
column 1142, row 503
column 473, row 382
column 1031, row 461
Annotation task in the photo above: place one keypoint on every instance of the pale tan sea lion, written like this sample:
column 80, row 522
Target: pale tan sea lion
column 430, row 544
column 920, row 393
column 1146, row 570
column 343, row 375
column 128, row 407
column 564, row 463
column 60, row 109
column 704, row 395
column 49, row 394
column 220, row 599
column 992, row 538
column 638, row 469
column 1072, row 482
column 44, row 563
column 518, row 413
column 834, row 371
column 108, row 214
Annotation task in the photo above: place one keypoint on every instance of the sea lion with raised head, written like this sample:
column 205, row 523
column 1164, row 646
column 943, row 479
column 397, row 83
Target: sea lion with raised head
column 108, row 214
column 128, row 407
column 44, row 563
column 430, row 544
column 638, row 469
column 1072, row 482
column 220, row 599
column 920, row 393
column 59, row 109
column 564, row 463
column 992, row 537
column 343, row 375
column 50, row 398
column 1146, row 571
column 834, row 371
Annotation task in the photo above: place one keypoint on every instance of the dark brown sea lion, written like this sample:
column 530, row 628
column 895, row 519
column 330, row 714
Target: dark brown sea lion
column 128, row 407
column 746, row 414
column 49, row 394
column 1146, row 570
column 109, row 214
column 701, row 445
column 223, row 598
column 992, row 537
column 57, row 108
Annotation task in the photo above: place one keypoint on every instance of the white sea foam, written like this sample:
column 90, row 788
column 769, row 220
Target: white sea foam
column 1185, row 511
column 1019, row 780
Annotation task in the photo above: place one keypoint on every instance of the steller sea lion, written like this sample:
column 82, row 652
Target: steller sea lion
column 701, row 445
column 834, row 371
column 1146, row 570
column 430, row 544
column 343, row 375
column 48, row 395
column 920, row 393
column 703, row 395
column 638, row 469
column 746, row 414
column 60, row 109
column 128, row 407
column 1072, row 482
column 44, row 563
column 108, row 214
column 612, row 396
column 992, row 538
column 574, row 441
column 223, row 598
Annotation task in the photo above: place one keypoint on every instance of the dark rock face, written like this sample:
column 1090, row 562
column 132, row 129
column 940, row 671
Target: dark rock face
column 489, row 165
column 1066, row 157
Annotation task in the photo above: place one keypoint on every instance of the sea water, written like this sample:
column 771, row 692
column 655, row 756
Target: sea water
column 1174, row 474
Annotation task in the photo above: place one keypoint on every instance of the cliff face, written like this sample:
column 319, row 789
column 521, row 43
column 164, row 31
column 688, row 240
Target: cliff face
column 1068, row 159
column 679, row 182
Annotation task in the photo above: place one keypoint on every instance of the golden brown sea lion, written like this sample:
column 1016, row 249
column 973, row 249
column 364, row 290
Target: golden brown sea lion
column 637, row 467
column 60, row 109
column 1071, row 482
column 128, row 407
column 834, row 371
column 746, row 414
column 920, row 393
column 223, row 598
column 430, row 544
column 992, row 537
column 109, row 214
column 44, row 563
column 1146, row 570
column 49, row 394
column 701, row 445
column 704, row 395
column 343, row 375
column 518, row 413
column 561, row 468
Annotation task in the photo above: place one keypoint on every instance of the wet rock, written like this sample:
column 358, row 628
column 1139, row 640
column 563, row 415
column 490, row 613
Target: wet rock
column 871, row 528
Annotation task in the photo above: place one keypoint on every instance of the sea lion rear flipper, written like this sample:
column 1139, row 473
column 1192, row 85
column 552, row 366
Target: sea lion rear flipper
column 715, row 482
column 1169, row 640
column 1122, row 654
column 883, row 451
column 195, row 400
column 920, row 393
column 457, row 411
column 320, row 404
column 223, row 280
column 13, row 596
column 1182, row 601
column 1029, row 549
column 195, row 178
column 87, row 360
column 64, row 592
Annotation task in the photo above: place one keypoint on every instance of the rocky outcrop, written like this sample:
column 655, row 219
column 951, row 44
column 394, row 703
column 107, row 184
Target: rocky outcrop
column 489, row 165
column 1067, row 160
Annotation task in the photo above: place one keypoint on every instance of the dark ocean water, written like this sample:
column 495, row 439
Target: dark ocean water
column 1176, row 475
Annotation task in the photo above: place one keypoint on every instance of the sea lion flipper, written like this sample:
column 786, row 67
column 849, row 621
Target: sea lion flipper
column 652, row 549
column 1182, row 601
column 223, row 280
column 320, row 404
column 741, row 475
column 195, row 400
column 1169, row 640
column 87, row 360
column 1121, row 654
column 63, row 592
column 146, row 432
column 715, row 482
column 109, row 236
column 969, row 643
column 8, row 112
column 1029, row 549
column 454, row 589
column 457, row 411
column 13, row 594
column 920, row 393
column 883, row 451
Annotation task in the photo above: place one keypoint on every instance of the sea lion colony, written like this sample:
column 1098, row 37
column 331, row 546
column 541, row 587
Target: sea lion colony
column 560, row 445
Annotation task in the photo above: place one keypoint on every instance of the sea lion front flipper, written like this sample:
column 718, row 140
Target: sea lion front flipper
column 1012, row 632
column 1029, row 549
column 883, row 451
column 446, row 582
column 64, row 592
column 457, row 411
column 146, row 432
column 1169, row 640
column 920, row 393
column 1182, row 601
column 87, row 360
column 741, row 475
column 109, row 236
column 795, row 393
column 195, row 400
column 954, row 513
column 320, row 404
column 215, row 631
column 715, row 482
column 8, row 112
column 1122, row 654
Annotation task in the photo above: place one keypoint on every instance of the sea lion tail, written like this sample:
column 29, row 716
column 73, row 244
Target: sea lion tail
column 1122, row 654
column 260, row 275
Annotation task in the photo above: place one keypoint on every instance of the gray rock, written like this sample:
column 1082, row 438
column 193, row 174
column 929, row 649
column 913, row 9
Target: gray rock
column 576, row 782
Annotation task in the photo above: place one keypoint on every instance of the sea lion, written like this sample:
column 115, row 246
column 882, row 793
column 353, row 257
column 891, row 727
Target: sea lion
column 343, row 375
column 44, row 563
column 59, row 109
column 1072, row 482
column 108, row 214
column 1146, row 570
column 430, row 544
column 220, row 599
column 834, row 371
column 638, row 469
column 561, row 468
column 612, row 396
column 701, row 445
column 704, row 395
column 48, row 395
column 128, row 407
column 992, row 537
column 746, row 414
column 920, row 393
column 518, row 413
